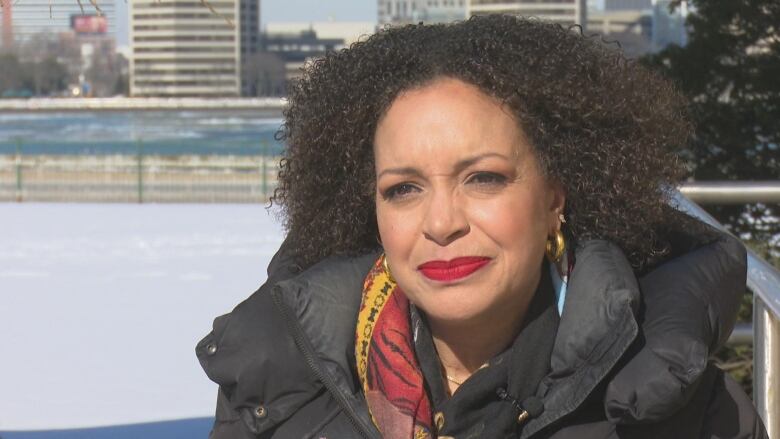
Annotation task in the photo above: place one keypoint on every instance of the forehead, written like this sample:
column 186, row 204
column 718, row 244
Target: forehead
column 446, row 118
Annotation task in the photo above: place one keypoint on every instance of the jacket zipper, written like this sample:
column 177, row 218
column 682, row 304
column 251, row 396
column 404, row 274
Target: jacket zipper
column 308, row 355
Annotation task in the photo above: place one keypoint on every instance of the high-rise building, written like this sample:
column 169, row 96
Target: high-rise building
column 566, row 12
column 249, row 30
column 395, row 11
column 415, row 11
column 295, row 49
column 52, row 17
column 286, row 47
column 182, row 48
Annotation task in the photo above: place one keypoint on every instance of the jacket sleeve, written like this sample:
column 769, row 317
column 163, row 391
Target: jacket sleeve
column 248, row 354
column 689, row 308
column 718, row 409
column 730, row 413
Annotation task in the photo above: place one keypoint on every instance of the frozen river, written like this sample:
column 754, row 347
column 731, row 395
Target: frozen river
column 130, row 132
column 101, row 306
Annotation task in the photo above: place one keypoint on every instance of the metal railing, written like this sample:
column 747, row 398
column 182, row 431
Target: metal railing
column 138, row 178
column 762, row 278
column 732, row 192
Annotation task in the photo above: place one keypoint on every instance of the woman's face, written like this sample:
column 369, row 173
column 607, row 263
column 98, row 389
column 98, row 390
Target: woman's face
column 462, row 207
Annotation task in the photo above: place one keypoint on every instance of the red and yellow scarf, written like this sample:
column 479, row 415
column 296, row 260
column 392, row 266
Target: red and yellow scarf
column 387, row 366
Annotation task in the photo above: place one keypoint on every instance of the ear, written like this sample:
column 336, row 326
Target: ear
column 556, row 205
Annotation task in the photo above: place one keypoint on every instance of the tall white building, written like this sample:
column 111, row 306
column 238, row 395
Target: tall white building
column 181, row 48
column 31, row 18
column 415, row 11
column 566, row 12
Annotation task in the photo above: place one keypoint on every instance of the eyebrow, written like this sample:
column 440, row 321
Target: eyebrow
column 460, row 166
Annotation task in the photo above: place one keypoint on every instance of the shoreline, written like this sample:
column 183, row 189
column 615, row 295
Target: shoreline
column 269, row 106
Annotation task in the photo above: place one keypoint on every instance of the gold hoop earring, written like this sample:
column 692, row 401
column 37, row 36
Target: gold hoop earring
column 386, row 267
column 555, row 254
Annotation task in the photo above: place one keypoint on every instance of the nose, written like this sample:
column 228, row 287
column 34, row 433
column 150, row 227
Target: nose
column 445, row 219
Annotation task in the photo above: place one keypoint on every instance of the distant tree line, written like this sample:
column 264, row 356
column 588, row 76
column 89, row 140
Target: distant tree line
column 48, row 66
column 40, row 78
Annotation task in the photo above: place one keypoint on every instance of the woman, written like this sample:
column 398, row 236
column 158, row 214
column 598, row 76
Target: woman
column 480, row 246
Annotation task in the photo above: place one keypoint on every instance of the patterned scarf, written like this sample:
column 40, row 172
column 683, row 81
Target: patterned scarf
column 388, row 369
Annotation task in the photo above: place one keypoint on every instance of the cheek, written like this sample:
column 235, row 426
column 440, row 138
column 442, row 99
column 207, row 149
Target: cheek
column 519, row 221
column 395, row 230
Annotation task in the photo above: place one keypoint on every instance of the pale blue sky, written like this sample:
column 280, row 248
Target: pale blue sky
column 286, row 10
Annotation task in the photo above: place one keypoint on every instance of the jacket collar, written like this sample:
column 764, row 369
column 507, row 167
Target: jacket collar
column 597, row 327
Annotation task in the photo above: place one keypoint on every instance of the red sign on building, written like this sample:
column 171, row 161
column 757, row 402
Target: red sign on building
column 89, row 24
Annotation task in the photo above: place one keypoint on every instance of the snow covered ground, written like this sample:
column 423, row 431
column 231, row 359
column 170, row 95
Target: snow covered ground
column 101, row 306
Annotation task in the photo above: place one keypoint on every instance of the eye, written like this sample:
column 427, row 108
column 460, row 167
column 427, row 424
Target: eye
column 487, row 179
column 399, row 191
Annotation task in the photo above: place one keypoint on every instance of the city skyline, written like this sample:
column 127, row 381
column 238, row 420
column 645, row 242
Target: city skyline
column 282, row 11
column 289, row 11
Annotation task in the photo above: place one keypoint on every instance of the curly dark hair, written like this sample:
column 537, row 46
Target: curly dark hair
column 603, row 126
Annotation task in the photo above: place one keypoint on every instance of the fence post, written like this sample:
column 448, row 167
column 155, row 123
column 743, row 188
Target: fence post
column 18, row 162
column 264, row 158
column 140, row 162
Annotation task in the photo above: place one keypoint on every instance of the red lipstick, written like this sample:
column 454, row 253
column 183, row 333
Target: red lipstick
column 454, row 269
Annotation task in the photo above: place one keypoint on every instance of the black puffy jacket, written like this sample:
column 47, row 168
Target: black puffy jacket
column 630, row 358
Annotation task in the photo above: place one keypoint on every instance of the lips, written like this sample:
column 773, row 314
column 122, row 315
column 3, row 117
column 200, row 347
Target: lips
column 458, row 268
